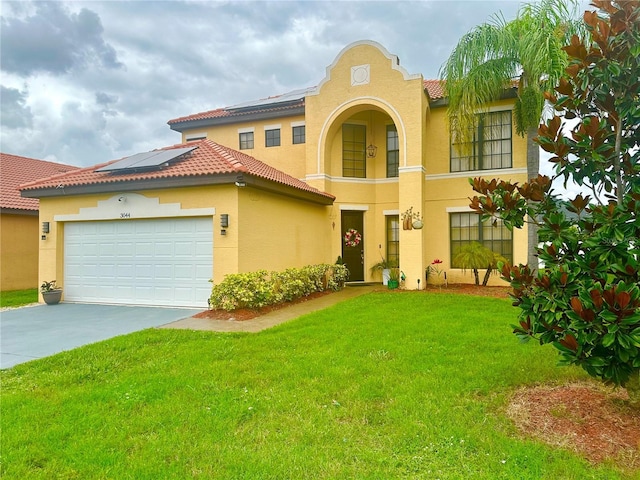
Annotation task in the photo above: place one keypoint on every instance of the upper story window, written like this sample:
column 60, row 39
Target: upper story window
column 272, row 137
column 491, row 145
column 354, row 138
column 246, row 140
column 467, row 228
column 299, row 134
column 393, row 151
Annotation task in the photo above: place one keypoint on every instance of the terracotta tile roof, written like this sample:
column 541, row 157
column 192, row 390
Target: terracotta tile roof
column 433, row 87
column 15, row 170
column 210, row 158
column 231, row 112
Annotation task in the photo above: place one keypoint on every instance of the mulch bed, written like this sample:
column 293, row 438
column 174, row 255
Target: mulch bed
column 242, row 314
column 589, row 419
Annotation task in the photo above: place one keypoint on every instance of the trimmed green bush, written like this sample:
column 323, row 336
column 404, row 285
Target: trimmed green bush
column 261, row 288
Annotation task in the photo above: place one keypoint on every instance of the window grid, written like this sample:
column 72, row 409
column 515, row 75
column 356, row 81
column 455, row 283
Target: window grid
column 393, row 151
column 299, row 134
column 393, row 240
column 272, row 137
column 354, row 151
column 491, row 145
column 467, row 228
column 246, row 140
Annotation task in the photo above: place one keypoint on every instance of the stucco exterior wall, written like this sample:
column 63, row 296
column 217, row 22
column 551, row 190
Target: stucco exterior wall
column 276, row 232
column 288, row 157
column 19, row 237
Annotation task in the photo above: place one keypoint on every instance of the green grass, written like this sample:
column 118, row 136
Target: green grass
column 16, row 298
column 384, row 386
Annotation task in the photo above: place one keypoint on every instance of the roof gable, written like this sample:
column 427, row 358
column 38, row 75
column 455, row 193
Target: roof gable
column 16, row 170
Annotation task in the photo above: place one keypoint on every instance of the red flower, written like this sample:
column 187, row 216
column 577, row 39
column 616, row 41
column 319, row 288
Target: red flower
column 436, row 261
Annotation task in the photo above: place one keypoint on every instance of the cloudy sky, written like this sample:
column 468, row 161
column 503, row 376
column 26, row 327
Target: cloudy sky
column 86, row 82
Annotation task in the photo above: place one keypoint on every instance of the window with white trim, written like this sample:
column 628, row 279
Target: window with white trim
column 246, row 140
column 299, row 134
column 272, row 137
column 490, row 147
column 466, row 228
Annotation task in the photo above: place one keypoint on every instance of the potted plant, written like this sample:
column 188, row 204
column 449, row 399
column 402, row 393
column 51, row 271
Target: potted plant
column 394, row 278
column 384, row 267
column 50, row 292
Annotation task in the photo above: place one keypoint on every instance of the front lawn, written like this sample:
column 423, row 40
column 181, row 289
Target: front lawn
column 17, row 298
column 384, row 386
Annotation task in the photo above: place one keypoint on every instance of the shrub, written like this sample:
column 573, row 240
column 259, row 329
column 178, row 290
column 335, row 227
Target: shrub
column 261, row 288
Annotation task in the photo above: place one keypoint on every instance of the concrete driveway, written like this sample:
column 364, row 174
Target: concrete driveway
column 34, row 332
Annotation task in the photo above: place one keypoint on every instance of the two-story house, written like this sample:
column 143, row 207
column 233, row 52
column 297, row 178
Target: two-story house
column 294, row 179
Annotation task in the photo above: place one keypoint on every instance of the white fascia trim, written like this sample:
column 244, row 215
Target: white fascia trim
column 466, row 209
column 395, row 63
column 273, row 127
column 361, row 208
column 388, row 213
column 498, row 172
column 360, row 101
column 416, row 168
column 195, row 136
column 132, row 206
column 298, row 124
column 246, row 130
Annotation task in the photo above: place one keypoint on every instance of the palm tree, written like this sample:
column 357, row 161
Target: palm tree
column 493, row 57
column 475, row 256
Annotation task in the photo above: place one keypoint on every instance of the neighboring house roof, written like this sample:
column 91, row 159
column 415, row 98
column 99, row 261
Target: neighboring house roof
column 291, row 103
column 210, row 163
column 16, row 170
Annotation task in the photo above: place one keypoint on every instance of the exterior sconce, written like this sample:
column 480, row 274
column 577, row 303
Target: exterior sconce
column 224, row 223
column 45, row 230
column 372, row 150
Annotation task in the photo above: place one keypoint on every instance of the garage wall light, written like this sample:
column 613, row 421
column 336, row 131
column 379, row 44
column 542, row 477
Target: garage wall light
column 45, row 230
column 224, row 223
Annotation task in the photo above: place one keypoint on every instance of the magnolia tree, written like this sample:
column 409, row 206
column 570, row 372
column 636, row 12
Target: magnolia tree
column 585, row 300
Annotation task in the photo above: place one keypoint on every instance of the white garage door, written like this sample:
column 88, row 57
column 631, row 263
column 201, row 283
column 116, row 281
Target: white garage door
column 139, row 262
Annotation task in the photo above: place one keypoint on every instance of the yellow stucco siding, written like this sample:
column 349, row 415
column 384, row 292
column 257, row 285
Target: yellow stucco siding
column 19, row 237
column 277, row 232
column 288, row 157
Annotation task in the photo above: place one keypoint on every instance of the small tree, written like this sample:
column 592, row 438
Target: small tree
column 476, row 256
column 586, row 299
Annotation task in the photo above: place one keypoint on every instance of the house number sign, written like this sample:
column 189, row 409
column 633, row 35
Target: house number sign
column 125, row 215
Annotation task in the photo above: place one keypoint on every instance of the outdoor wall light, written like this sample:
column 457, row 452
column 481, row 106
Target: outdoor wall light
column 372, row 150
column 224, row 223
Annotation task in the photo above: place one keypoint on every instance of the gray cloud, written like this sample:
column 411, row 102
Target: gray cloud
column 15, row 113
column 184, row 57
column 54, row 40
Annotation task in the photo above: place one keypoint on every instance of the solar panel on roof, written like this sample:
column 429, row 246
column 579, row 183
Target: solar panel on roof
column 146, row 160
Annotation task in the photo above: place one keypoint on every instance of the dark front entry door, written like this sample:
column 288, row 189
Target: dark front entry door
column 353, row 244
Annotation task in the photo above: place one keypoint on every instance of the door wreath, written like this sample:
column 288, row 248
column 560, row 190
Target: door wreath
column 352, row 238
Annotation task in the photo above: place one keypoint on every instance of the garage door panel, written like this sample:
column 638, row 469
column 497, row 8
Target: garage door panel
column 147, row 262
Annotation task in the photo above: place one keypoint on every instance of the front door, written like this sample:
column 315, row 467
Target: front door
column 353, row 244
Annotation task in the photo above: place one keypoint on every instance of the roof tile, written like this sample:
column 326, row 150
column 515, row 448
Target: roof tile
column 16, row 170
column 210, row 158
